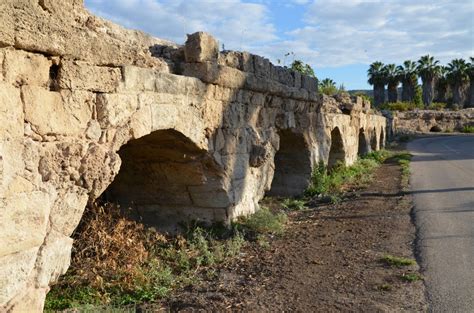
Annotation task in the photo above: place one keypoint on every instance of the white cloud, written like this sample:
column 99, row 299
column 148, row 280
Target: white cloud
column 357, row 31
column 332, row 32
column 233, row 22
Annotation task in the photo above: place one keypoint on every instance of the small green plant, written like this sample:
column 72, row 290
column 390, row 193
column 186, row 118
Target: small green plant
column 385, row 287
column 469, row 129
column 397, row 261
column 319, row 181
column 404, row 159
column 263, row 242
column 411, row 277
column 294, row 204
column 438, row 106
column 264, row 221
column 380, row 155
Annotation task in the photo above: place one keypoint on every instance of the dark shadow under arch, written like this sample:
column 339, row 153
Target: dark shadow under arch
column 337, row 153
column 373, row 140
column 382, row 139
column 435, row 129
column 292, row 166
column 363, row 145
column 165, row 178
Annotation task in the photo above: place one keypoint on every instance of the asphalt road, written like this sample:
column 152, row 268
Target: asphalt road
column 442, row 182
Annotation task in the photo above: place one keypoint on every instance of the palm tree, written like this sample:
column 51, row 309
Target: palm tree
column 377, row 78
column 471, row 79
column 428, row 69
column 392, row 73
column 442, row 85
column 327, row 86
column 409, row 80
column 458, row 77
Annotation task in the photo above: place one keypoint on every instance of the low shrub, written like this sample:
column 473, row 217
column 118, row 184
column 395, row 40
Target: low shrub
column 397, row 261
column 264, row 221
column 469, row 129
column 411, row 277
column 438, row 106
column 294, row 204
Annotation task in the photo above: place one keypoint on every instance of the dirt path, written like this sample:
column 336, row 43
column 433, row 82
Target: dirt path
column 327, row 261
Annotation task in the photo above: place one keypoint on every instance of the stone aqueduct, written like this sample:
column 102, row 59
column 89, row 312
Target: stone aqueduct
column 89, row 109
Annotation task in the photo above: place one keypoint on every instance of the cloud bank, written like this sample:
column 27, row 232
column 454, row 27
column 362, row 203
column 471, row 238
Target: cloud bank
column 331, row 33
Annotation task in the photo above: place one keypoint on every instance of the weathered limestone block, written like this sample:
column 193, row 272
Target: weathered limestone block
column 11, row 112
column 209, row 197
column 115, row 109
column 259, row 154
column 51, row 113
column 75, row 75
column 175, row 84
column 99, row 167
column 15, row 269
column 309, row 83
column 261, row 66
column 7, row 29
column 68, row 209
column 201, row 47
column 232, row 59
column 24, row 228
column 138, row 79
column 53, row 258
column 23, row 68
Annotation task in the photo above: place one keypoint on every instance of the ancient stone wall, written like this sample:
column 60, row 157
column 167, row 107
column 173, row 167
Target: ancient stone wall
column 90, row 110
column 425, row 121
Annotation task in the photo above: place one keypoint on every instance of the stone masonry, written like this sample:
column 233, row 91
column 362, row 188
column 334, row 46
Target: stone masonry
column 425, row 121
column 91, row 110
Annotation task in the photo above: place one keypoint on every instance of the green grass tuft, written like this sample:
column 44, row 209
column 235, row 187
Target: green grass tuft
column 469, row 129
column 411, row 277
column 294, row 204
column 263, row 221
column 397, row 261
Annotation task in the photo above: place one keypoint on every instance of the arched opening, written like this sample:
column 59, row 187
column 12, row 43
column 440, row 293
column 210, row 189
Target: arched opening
column 292, row 166
column 337, row 153
column 165, row 179
column 382, row 139
column 373, row 140
column 435, row 129
column 363, row 145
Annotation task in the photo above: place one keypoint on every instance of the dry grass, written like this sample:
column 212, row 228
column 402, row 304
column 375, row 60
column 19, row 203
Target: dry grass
column 109, row 247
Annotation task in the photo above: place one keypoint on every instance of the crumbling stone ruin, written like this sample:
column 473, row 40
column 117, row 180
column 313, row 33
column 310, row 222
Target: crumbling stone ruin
column 425, row 121
column 89, row 110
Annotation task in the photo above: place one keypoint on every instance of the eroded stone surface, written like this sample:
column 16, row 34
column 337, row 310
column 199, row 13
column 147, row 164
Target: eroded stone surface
column 91, row 110
column 425, row 121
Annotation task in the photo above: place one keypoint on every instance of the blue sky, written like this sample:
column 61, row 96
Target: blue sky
column 338, row 38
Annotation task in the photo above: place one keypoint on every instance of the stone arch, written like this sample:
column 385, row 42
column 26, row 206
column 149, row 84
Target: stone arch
column 337, row 152
column 292, row 165
column 435, row 129
column 373, row 140
column 166, row 178
column 363, row 144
